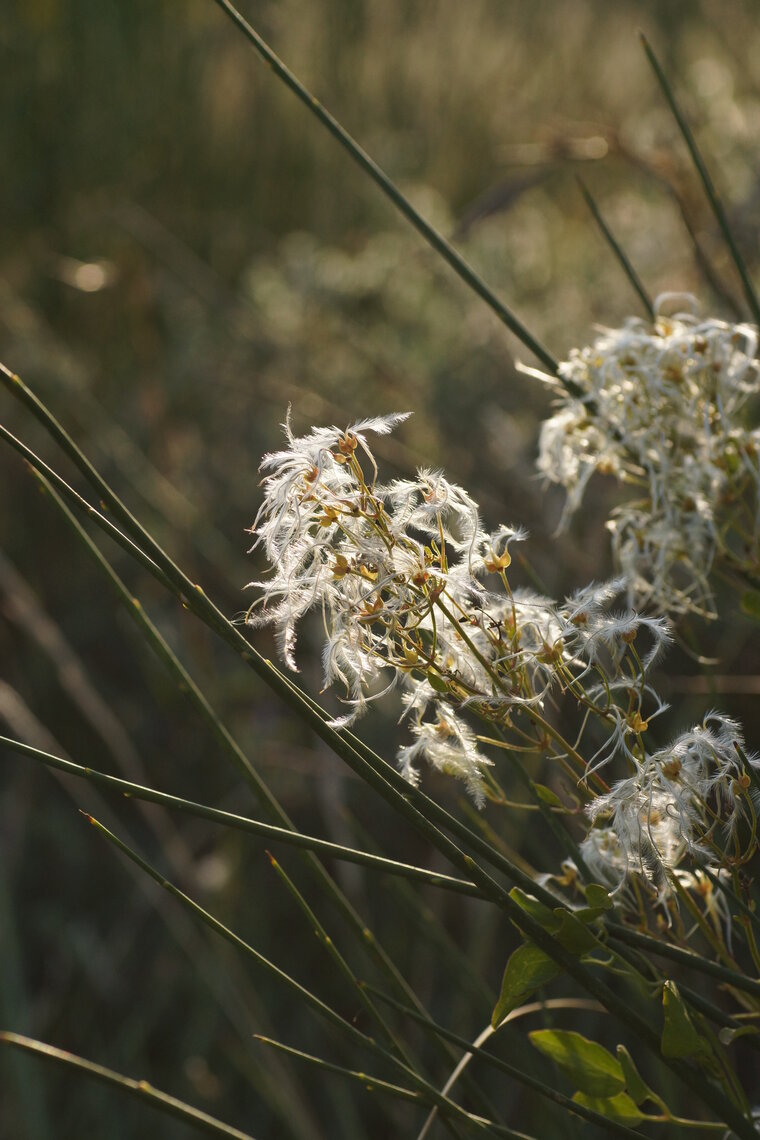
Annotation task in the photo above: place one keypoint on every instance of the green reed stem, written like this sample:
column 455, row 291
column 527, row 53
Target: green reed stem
column 336, row 956
column 80, row 503
column 420, row 920
column 373, row 1084
column 315, row 1003
column 244, row 823
column 227, row 741
column 228, row 819
column 684, row 957
column 391, row 191
column 707, row 182
column 310, row 999
column 346, row 971
column 617, row 249
column 606, row 1123
column 139, row 1089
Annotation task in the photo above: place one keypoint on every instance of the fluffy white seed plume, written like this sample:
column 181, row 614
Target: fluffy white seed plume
column 686, row 799
column 663, row 410
column 413, row 590
column 310, row 502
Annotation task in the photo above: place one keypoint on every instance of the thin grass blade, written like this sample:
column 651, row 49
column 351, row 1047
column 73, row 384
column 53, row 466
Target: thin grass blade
column 402, row 203
column 244, row 823
column 531, row 1082
column 685, row 957
column 707, row 182
column 374, row 1084
column 321, row 1008
column 617, row 249
column 362, row 992
column 139, row 1089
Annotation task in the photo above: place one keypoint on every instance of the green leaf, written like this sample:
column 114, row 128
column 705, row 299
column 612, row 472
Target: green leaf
column 565, row 925
column 598, row 897
column 547, row 795
column 436, row 682
column 542, row 914
column 527, row 970
column 634, row 1085
column 589, row 1065
column 572, row 934
column 620, row 1107
column 680, row 1037
column 750, row 603
column 727, row 1035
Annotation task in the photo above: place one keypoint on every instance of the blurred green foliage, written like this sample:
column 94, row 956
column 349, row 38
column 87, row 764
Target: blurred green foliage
column 183, row 252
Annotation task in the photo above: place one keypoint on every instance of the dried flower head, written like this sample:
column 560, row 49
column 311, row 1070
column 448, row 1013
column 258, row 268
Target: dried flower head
column 663, row 410
column 691, row 797
column 414, row 592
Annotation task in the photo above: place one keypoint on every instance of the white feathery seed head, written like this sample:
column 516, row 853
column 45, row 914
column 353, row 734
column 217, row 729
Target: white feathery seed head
column 662, row 409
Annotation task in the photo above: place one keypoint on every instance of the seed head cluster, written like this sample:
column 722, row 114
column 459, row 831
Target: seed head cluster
column 687, row 799
column 414, row 593
column 663, row 409
column 416, row 596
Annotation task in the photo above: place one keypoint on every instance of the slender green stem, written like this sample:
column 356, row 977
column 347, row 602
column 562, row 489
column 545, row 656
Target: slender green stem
column 420, row 921
column 704, row 1125
column 413, row 914
column 244, row 823
column 707, row 182
column 315, row 1003
column 220, row 732
column 139, row 1089
column 344, row 968
column 227, row 819
column 373, row 1083
column 341, row 963
column 80, row 503
column 531, row 1082
column 685, row 957
column 381, row 179
column 617, row 249
column 310, row 999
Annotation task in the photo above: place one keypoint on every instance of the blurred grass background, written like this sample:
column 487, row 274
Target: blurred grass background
column 183, row 252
